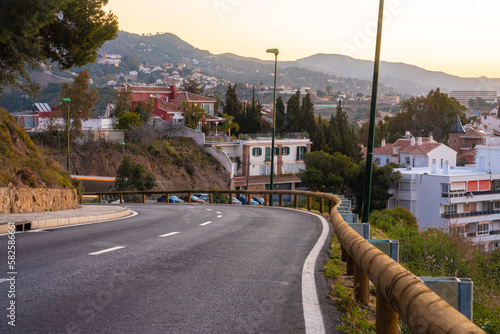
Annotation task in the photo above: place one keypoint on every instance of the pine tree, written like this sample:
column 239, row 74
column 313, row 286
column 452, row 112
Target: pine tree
column 280, row 115
column 292, row 117
column 82, row 100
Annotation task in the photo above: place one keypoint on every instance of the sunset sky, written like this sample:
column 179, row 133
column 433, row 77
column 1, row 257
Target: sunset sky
column 454, row 36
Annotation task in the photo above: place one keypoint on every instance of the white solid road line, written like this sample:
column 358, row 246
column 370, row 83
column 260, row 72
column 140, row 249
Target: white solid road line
column 206, row 223
column 168, row 234
column 313, row 317
column 107, row 250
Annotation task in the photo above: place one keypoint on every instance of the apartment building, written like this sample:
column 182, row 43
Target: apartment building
column 463, row 200
column 463, row 96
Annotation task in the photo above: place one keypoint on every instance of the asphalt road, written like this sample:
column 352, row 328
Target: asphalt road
column 170, row 269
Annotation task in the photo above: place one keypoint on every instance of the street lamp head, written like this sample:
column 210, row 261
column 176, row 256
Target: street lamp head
column 275, row 51
column 66, row 99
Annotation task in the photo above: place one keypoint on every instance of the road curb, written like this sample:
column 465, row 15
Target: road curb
column 32, row 224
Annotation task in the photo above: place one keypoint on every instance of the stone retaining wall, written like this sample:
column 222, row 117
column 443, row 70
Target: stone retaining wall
column 25, row 200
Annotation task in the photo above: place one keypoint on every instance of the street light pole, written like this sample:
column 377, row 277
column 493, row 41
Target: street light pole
column 276, row 52
column 67, row 99
column 371, row 125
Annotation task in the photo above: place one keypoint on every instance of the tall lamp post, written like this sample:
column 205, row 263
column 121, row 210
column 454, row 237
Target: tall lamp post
column 276, row 52
column 371, row 125
column 67, row 99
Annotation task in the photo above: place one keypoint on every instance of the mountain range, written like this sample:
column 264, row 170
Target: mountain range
column 315, row 71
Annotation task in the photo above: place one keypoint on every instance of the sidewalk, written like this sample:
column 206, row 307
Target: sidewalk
column 84, row 214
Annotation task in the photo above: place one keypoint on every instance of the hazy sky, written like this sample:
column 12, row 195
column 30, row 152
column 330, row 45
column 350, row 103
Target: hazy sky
column 458, row 37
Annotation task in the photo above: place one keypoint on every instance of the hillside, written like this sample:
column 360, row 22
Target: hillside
column 21, row 162
column 176, row 163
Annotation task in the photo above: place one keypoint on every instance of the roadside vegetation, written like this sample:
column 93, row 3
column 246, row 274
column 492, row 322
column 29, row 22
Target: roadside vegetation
column 428, row 253
column 21, row 162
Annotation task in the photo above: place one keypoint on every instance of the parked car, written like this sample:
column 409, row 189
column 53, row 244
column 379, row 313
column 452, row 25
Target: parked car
column 235, row 200
column 259, row 200
column 194, row 199
column 243, row 200
column 204, row 197
column 171, row 199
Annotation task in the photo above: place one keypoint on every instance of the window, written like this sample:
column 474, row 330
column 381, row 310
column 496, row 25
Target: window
column 470, row 207
column 285, row 150
column 445, row 187
column 209, row 108
column 263, row 170
column 300, row 152
column 457, row 230
column 404, row 185
column 487, row 206
column 497, row 205
column 256, row 151
column 483, row 228
column 276, row 151
column 268, row 154
column 450, row 208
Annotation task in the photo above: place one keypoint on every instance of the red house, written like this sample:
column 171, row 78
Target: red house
column 167, row 102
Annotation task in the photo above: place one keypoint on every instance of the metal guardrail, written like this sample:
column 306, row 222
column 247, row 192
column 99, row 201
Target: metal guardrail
column 399, row 292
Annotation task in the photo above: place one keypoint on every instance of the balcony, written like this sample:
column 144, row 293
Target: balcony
column 469, row 214
column 470, row 193
column 474, row 234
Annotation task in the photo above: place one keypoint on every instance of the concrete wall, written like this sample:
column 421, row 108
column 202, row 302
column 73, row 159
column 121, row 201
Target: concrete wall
column 23, row 200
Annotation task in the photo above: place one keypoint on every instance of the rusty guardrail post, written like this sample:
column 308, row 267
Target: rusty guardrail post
column 296, row 201
column 121, row 198
column 210, row 197
column 143, row 198
column 280, row 200
column 167, row 199
column 321, row 205
column 309, row 200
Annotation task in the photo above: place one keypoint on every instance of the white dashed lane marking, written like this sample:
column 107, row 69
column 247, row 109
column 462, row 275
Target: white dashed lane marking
column 206, row 223
column 168, row 234
column 107, row 250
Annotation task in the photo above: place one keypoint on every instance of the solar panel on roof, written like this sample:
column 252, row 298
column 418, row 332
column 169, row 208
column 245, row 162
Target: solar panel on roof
column 42, row 106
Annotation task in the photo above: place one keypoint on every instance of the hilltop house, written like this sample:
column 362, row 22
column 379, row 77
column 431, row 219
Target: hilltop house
column 167, row 102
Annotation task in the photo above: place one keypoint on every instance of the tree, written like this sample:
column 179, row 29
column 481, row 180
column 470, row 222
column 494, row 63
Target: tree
column 193, row 114
column 232, row 105
column 280, row 115
column 131, row 175
column 340, row 137
column 327, row 173
column 328, row 89
column 425, row 114
column 67, row 32
column 383, row 179
column 82, row 101
column 192, row 86
column 229, row 124
column 292, row 117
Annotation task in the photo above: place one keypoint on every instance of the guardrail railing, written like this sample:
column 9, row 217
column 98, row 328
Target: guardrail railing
column 399, row 292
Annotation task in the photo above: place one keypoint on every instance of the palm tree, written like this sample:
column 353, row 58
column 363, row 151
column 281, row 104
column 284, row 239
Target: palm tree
column 229, row 124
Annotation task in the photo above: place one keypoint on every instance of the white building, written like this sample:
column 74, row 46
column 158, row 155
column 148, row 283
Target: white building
column 413, row 152
column 251, row 156
column 464, row 200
